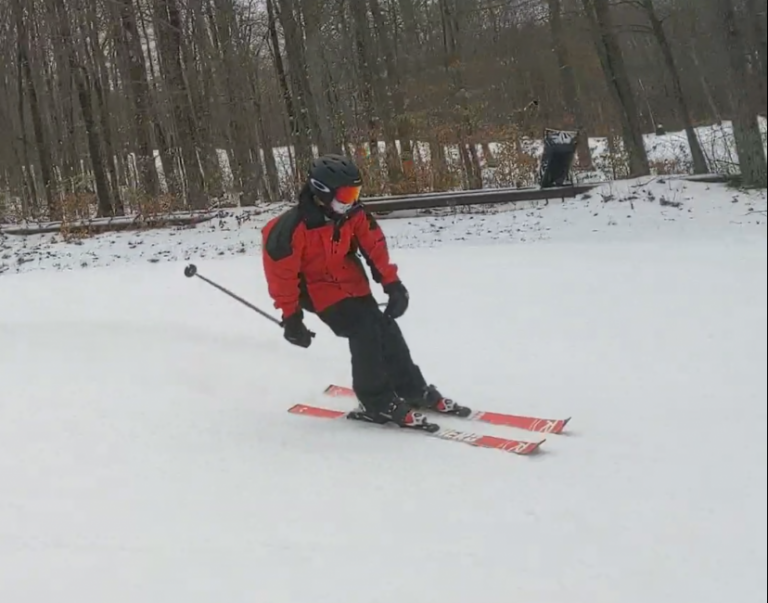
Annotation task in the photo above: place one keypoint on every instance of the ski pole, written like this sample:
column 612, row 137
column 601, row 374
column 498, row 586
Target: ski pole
column 191, row 271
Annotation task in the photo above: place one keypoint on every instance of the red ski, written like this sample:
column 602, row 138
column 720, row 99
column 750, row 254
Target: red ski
column 473, row 439
column 553, row 426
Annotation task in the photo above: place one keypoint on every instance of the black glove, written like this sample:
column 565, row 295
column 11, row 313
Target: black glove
column 398, row 299
column 296, row 332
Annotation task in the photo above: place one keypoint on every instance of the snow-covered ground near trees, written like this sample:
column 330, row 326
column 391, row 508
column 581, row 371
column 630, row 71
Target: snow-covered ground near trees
column 672, row 151
column 616, row 209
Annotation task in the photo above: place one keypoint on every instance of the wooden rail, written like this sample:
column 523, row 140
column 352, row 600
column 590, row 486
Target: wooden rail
column 116, row 224
column 379, row 205
column 480, row 197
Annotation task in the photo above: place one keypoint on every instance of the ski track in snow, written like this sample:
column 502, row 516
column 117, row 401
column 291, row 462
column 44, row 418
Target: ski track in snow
column 146, row 454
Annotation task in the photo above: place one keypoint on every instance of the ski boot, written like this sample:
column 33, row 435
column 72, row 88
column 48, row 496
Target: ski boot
column 433, row 400
column 397, row 412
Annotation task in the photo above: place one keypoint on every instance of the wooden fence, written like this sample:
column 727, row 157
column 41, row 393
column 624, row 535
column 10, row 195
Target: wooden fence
column 379, row 205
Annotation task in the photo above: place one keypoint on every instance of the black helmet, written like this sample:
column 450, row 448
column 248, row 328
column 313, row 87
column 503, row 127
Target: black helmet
column 329, row 173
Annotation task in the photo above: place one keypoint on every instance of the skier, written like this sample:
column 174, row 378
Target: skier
column 311, row 264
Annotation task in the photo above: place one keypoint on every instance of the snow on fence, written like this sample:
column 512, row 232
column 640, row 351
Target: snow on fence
column 112, row 224
column 379, row 205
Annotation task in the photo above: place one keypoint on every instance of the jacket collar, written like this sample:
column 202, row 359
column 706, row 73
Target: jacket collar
column 313, row 215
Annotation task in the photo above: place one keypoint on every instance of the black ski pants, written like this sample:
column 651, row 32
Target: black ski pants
column 382, row 367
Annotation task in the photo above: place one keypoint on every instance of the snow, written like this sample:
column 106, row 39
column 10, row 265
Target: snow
column 619, row 209
column 146, row 454
column 671, row 151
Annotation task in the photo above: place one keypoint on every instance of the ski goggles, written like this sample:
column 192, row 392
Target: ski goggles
column 347, row 195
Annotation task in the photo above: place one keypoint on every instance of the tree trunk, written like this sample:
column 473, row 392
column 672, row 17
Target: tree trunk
column 43, row 151
column 168, row 23
column 411, row 51
column 15, row 161
column 568, row 90
column 450, row 18
column 242, row 134
column 312, row 11
column 615, row 71
column 300, row 126
column 757, row 18
column 84, row 87
column 401, row 169
column 746, row 129
column 705, row 84
column 193, row 65
column 362, row 42
column 95, row 55
column 130, row 44
column 29, row 195
column 699, row 161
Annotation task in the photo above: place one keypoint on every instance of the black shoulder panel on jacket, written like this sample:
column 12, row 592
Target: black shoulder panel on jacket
column 373, row 224
column 279, row 241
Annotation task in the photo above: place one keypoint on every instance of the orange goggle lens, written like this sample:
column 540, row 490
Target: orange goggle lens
column 347, row 194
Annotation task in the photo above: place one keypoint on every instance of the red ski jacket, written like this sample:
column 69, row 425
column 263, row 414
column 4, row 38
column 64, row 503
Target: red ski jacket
column 310, row 262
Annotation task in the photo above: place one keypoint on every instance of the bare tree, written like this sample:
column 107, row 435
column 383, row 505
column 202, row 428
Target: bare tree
column 25, row 76
column 149, row 105
column 699, row 161
column 746, row 130
column 617, row 77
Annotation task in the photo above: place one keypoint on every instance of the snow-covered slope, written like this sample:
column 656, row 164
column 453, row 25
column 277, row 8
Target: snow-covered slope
column 620, row 209
column 146, row 454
